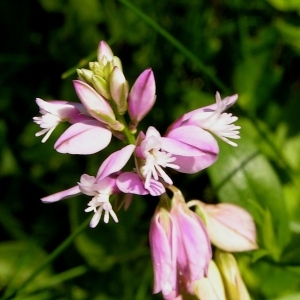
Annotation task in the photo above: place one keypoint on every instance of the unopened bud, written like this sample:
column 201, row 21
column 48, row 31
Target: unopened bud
column 96, row 105
column 234, row 285
column 101, row 86
column 104, row 51
column 119, row 90
column 210, row 287
column 230, row 227
column 85, row 75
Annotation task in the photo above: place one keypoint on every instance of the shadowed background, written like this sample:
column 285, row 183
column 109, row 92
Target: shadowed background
column 252, row 49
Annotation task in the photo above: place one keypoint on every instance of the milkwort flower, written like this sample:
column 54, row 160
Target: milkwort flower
column 179, row 241
column 213, row 119
column 91, row 118
column 100, row 187
column 180, row 247
column 230, row 227
column 186, row 149
column 55, row 112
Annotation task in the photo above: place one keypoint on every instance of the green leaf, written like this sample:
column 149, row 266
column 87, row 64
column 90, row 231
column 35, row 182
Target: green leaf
column 289, row 33
column 107, row 244
column 268, row 235
column 255, row 85
column 245, row 177
column 289, row 297
column 285, row 5
column 18, row 260
column 267, row 280
column 291, row 252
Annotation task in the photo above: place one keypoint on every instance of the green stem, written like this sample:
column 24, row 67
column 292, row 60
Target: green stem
column 188, row 54
column 128, row 134
column 81, row 64
column 50, row 258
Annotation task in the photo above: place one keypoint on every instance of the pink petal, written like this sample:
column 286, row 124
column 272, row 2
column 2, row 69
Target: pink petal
column 206, row 148
column 142, row 96
column 227, row 102
column 192, row 240
column 62, row 109
column 131, row 183
column 84, row 138
column 115, row 162
column 179, row 148
column 156, row 188
column 196, row 137
column 107, row 185
column 184, row 120
column 191, row 165
column 86, row 185
column 62, row 195
column 95, row 104
column 230, row 227
column 104, row 50
column 163, row 256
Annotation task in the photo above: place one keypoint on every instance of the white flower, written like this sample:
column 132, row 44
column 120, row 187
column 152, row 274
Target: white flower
column 155, row 159
column 100, row 202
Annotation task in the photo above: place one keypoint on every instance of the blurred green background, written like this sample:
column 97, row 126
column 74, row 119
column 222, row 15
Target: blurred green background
column 195, row 48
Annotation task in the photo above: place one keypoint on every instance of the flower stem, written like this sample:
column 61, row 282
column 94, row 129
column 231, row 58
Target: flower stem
column 50, row 258
column 128, row 134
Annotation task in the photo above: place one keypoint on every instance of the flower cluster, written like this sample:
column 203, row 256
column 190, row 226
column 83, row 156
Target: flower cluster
column 180, row 241
column 179, row 238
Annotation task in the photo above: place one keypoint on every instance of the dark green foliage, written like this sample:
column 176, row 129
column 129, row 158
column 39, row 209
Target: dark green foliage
column 252, row 49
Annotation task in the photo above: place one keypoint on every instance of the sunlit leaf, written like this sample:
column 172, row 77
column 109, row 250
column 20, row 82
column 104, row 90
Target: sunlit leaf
column 267, row 280
column 285, row 5
column 18, row 260
column 244, row 176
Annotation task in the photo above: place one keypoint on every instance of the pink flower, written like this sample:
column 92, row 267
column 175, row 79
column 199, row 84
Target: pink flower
column 130, row 182
column 230, row 227
column 203, row 147
column 141, row 97
column 212, row 118
column 180, row 247
column 100, row 187
column 164, row 253
column 96, row 105
column 86, row 137
column 187, row 149
column 88, row 133
column 194, row 251
column 54, row 112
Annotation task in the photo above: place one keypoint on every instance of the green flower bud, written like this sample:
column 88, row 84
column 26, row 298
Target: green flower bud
column 85, row 75
column 119, row 90
column 234, row 285
column 101, row 86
